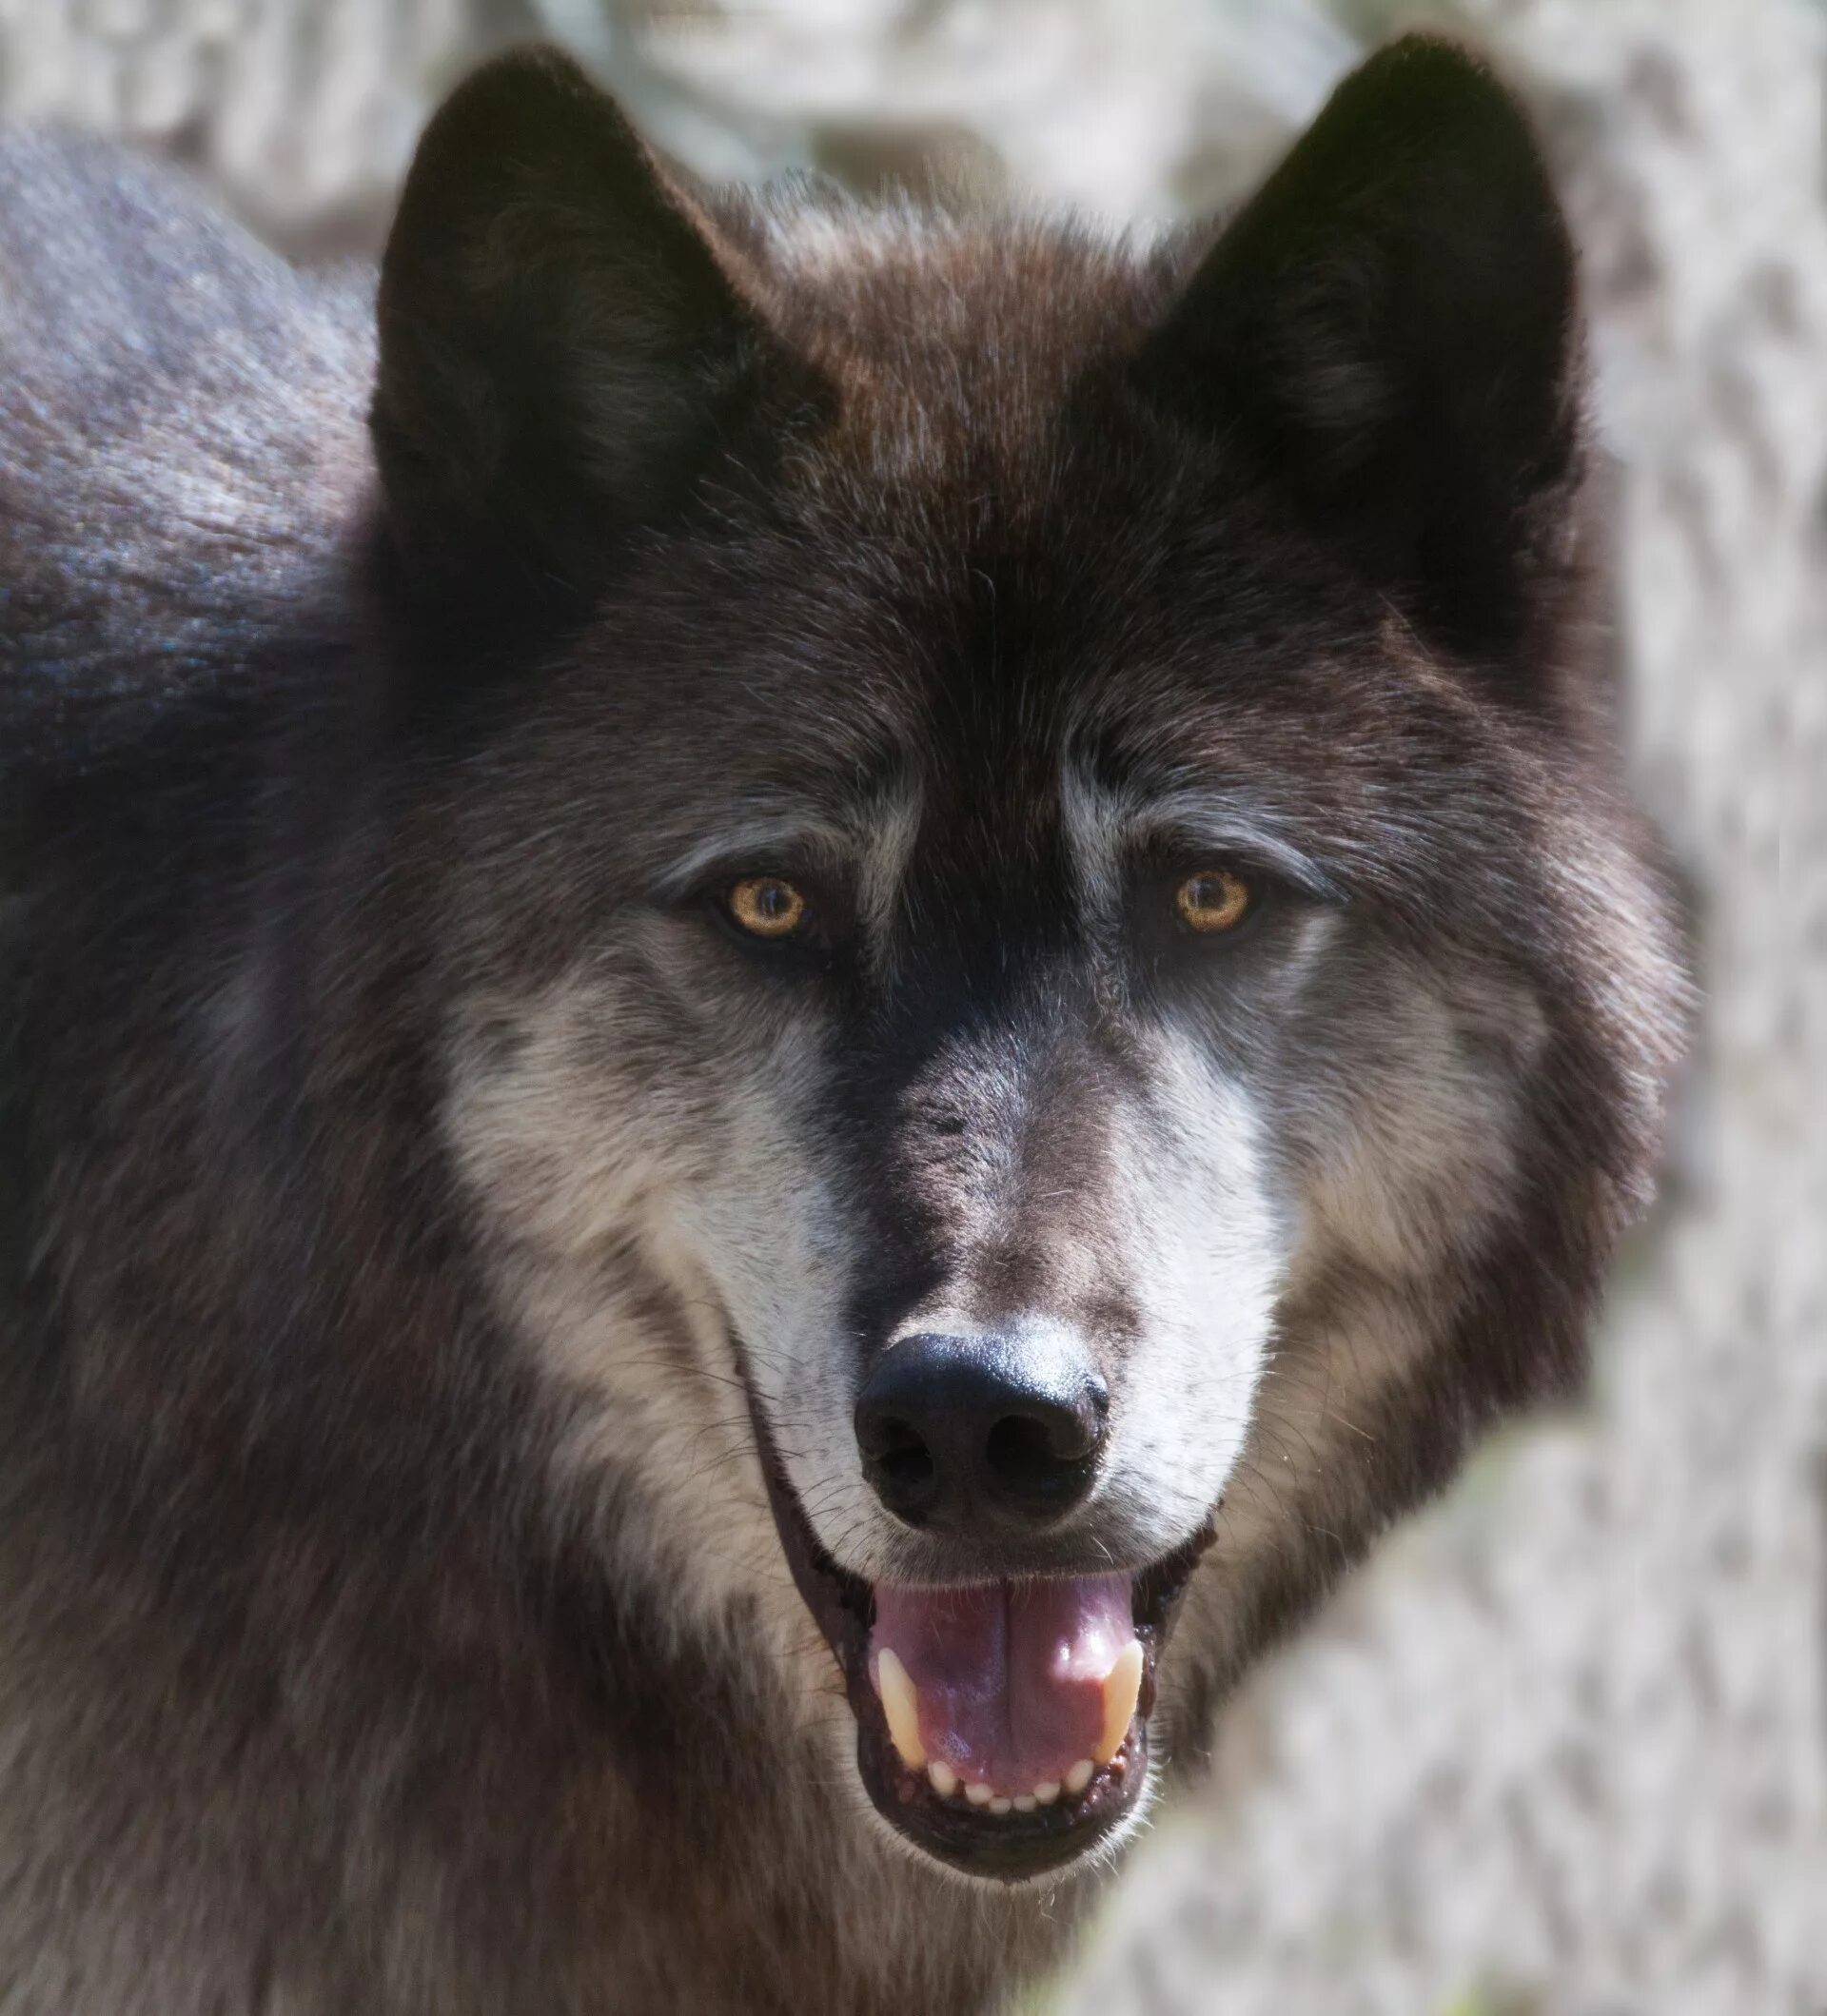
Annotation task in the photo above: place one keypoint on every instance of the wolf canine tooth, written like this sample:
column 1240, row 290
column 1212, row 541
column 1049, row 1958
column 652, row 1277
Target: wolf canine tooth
column 1122, row 1689
column 1079, row 1776
column 901, row 1706
column 945, row 1780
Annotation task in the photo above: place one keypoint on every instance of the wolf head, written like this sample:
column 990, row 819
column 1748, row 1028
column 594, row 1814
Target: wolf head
column 1045, row 994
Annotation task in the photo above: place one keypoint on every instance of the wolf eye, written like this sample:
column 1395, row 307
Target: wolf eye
column 1213, row 900
column 766, row 907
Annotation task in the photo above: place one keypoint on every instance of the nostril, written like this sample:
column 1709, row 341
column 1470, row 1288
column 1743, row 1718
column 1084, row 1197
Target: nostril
column 907, row 1472
column 897, row 1462
column 881, row 1434
column 1040, row 1459
column 1019, row 1451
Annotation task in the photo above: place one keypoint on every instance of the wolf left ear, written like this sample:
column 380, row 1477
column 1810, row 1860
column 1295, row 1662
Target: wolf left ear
column 1390, row 322
column 561, row 352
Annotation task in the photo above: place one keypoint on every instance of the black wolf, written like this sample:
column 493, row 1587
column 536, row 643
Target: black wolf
column 792, row 995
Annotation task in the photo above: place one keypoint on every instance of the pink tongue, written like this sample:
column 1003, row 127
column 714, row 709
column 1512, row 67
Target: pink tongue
column 1009, row 1677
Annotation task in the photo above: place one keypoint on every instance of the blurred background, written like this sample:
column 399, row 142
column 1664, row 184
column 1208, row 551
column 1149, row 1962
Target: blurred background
column 1562, row 1748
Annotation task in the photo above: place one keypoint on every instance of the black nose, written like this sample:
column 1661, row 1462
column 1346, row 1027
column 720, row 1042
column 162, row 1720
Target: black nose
column 956, row 1429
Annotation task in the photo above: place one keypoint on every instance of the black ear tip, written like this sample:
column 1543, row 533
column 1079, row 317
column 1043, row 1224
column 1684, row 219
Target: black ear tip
column 526, row 100
column 529, row 122
column 536, row 72
column 1428, row 80
column 1429, row 63
column 1428, row 110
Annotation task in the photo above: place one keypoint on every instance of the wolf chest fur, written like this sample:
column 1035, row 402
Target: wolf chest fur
column 793, row 995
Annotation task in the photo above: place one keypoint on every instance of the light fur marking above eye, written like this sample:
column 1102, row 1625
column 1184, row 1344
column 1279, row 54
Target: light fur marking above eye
column 766, row 906
column 1213, row 901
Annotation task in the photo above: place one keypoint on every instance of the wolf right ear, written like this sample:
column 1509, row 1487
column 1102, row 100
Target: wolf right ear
column 1390, row 323
column 562, row 354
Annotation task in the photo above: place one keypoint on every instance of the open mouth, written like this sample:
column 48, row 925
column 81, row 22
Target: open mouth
column 1002, row 1727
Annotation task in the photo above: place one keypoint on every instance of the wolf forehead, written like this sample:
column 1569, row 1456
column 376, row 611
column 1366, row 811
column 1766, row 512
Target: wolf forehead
column 985, row 590
column 952, row 339
column 997, row 528
column 979, row 517
column 1055, row 689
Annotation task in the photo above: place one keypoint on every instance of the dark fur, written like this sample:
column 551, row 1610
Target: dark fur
column 311, row 1697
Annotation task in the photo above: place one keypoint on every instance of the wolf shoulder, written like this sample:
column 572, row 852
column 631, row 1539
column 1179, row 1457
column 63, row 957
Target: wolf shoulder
column 181, row 427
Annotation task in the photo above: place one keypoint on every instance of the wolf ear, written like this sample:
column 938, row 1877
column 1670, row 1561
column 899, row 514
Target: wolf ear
column 561, row 352
column 1390, row 322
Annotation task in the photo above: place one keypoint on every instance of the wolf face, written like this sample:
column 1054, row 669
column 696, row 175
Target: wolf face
column 1045, row 997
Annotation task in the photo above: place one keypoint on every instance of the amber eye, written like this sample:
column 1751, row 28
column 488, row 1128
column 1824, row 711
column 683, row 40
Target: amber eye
column 766, row 907
column 1213, row 900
